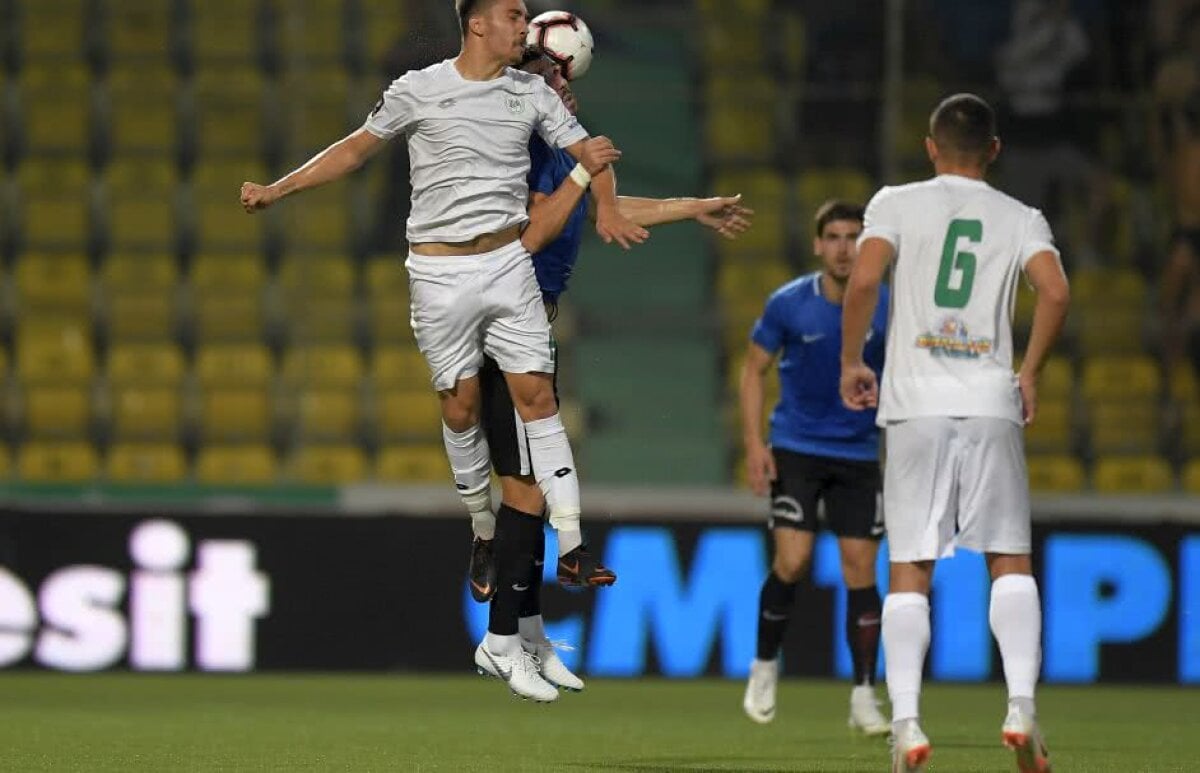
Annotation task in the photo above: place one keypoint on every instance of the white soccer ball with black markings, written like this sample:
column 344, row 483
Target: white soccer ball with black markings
column 565, row 39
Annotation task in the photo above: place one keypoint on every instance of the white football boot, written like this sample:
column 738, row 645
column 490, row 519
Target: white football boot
column 1021, row 734
column 759, row 702
column 864, row 712
column 910, row 748
column 519, row 671
column 550, row 665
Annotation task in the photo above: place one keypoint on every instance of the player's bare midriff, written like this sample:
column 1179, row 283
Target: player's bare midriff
column 477, row 246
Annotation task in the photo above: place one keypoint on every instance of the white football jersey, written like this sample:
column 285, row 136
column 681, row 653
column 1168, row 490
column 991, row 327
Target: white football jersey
column 960, row 248
column 468, row 144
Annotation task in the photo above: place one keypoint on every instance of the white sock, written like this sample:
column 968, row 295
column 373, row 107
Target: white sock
column 471, row 464
column 554, row 469
column 503, row 645
column 905, row 641
column 1016, row 619
column 531, row 628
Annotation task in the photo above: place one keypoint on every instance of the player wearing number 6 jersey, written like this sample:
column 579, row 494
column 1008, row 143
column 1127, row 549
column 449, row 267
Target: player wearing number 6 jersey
column 951, row 407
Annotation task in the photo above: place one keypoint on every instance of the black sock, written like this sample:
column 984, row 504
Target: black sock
column 517, row 535
column 531, row 601
column 863, row 615
column 774, row 608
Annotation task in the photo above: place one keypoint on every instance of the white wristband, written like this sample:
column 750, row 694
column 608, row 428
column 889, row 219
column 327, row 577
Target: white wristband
column 581, row 176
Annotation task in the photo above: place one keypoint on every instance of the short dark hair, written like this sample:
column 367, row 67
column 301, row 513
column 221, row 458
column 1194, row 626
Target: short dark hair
column 836, row 209
column 466, row 9
column 963, row 123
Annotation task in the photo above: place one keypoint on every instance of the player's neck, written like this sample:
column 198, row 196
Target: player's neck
column 475, row 65
column 971, row 172
column 834, row 290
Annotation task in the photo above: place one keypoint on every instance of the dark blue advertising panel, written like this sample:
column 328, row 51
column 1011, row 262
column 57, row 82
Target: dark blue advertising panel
column 85, row 592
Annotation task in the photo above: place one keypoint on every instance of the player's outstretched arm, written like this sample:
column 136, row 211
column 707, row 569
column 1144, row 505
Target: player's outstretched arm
column 548, row 214
column 611, row 225
column 858, row 384
column 334, row 162
column 1045, row 273
column 760, row 463
column 723, row 214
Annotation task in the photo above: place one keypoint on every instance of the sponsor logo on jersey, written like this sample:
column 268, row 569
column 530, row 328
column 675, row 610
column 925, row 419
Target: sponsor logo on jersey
column 953, row 340
column 514, row 104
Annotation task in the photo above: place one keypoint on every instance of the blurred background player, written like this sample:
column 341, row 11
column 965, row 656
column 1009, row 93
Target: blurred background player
column 821, row 454
column 951, row 406
column 468, row 123
column 559, row 209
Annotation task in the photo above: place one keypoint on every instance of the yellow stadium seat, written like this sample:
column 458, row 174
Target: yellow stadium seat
column 317, row 100
column 317, row 276
column 765, row 191
column 55, row 108
column 138, row 30
column 321, row 222
column 740, row 132
column 327, row 414
column 235, row 414
column 57, row 462
column 415, row 415
column 234, row 365
column 223, row 274
column 323, row 365
column 224, row 30
column 3, row 364
column 735, row 45
column 216, row 178
column 220, row 223
column 1108, row 289
column 135, row 272
column 328, row 465
column 816, row 186
column 134, row 176
column 399, row 368
column 146, row 463
column 58, row 411
column 1132, row 475
column 1056, row 474
column 143, row 109
column 412, row 464
column 146, row 364
column 54, row 351
column 1050, row 431
column 390, row 321
column 387, row 278
column 1119, row 378
column 230, row 111
column 1057, row 380
column 55, row 281
column 55, row 221
column 1023, row 312
column 1183, row 385
column 146, row 412
column 747, row 280
column 316, row 31
column 142, row 316
column 1189, row 435
column 229, row 318
column 142, row 222
column 1102, row 331
column 1191, row 477
column 50, row 29
column 1124, row 426
column 244, row 464
column 320, row 320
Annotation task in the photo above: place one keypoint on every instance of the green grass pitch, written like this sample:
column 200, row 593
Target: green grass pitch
column 124, row 722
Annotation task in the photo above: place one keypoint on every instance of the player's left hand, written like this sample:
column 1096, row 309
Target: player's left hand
column 1027, row 383
column 612, row 226
column 859, row 388
column 725, row 215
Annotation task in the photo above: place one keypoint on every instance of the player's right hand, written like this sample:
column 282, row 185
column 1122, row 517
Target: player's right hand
column 858, row 387
column 597, row 153
column 256, row 197
column 760, row 468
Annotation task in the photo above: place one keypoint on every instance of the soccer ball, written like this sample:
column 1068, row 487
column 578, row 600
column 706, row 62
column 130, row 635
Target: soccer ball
column 565, row 39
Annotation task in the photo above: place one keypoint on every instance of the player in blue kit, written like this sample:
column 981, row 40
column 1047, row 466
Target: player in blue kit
column 560, row 210
column 821, row 454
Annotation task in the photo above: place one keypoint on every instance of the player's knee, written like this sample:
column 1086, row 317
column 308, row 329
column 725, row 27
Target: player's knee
column 790, row 567
column 537, row 401
column 458, row 415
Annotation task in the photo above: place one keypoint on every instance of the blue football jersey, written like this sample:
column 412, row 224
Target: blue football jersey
column 806, row 328
column 549, row 167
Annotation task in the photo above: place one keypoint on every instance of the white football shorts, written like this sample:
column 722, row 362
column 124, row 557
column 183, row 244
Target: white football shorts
column 955, row 481
column 465, row 306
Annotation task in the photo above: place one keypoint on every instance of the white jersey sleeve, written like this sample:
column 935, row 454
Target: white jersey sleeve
column 882, row 219
column 394, row 112
column 555, row 124
column 1038, row 238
